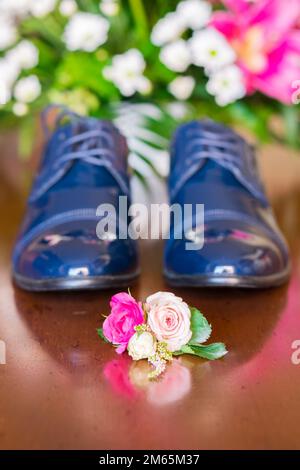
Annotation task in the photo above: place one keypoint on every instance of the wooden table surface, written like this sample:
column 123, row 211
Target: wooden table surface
column 63, row 388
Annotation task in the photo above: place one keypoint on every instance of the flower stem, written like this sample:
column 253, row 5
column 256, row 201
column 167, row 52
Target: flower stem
column 140, row 18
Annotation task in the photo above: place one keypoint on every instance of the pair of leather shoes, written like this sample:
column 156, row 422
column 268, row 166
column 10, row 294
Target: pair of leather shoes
column 84, row 165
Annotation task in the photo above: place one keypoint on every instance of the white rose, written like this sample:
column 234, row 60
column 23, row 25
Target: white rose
column 170, row 319
column 141, row 346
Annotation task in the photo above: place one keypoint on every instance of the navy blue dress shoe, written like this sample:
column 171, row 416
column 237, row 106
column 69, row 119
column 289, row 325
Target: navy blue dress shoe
column 243, row 247
column 84, row 165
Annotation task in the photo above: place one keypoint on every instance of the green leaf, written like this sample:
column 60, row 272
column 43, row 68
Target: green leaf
column 212, row 351
column 201, row 329
column 101, row 334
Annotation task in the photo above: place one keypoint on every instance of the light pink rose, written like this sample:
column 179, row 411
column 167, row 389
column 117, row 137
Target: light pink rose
column 170, row 319
column 126, row 313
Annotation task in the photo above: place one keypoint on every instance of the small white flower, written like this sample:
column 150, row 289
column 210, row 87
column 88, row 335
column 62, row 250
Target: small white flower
column 141, row 346
column 182, row 87
column 176, row 55
column 14, row 8
column 40, row 8
column 20, row 109
column 67, row 7
column 8, row 32
column 109, row 7
column 8, row 71
column 24, row 56
column 5, row 93
column 167, row 29
column 211, row 50
column 86, row 31
column 27, row 89
column 178, row 110
column 126, row 72
column 8, row 75
column 227, row 85
column 194, row 13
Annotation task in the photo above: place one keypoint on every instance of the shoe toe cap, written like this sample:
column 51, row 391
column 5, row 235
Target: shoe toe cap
column 73, row 251
column 226, row 253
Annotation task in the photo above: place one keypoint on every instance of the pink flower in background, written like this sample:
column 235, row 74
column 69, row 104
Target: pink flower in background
column 265, row 35
column 126, row 313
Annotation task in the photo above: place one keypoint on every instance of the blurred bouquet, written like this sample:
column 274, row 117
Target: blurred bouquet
column 237, row 61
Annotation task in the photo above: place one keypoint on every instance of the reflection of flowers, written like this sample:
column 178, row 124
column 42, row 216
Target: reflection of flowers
column 173, row 386
column 117, row 374
column 130, row 379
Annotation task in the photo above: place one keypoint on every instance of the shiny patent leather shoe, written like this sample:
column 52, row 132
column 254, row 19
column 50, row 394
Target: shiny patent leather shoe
column 243, row 247
column 84, row 165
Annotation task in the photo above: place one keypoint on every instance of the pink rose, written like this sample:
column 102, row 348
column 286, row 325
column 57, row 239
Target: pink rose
column 170, row 319
column 126, row 313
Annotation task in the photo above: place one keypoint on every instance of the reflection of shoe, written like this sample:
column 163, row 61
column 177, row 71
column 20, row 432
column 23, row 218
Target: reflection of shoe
column 212, row 165
column 84, row 165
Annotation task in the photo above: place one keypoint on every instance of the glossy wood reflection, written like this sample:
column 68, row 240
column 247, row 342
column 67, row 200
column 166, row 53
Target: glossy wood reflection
column 63, row 388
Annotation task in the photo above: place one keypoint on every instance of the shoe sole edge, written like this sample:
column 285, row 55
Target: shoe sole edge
column 248, row 282
column 67, row 284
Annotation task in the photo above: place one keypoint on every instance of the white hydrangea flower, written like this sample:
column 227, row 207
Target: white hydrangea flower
column 27, row 89
column 182, row 87
column 167, row 29
column 8, row 32
column 67, row 7
column 126, row 72
column 86, row 31
column 40, row 8
column 194, row 13
column 20, row 109
column 227, row 85
column 109, row 7
column 211, row 50
column 176, row 55
column 24, row 56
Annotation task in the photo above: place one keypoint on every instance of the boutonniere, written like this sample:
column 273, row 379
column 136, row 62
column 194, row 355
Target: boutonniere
column 161, row 327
